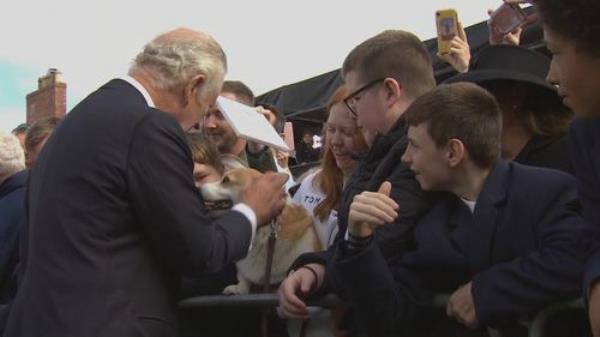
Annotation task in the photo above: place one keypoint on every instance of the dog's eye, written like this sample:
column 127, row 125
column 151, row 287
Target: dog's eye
column 225, row 180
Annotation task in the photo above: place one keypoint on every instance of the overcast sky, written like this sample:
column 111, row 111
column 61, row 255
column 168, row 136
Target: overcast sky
column 268, row 43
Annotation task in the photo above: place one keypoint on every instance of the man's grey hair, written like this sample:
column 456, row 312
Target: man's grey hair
column 12, row 156
column 175, row 57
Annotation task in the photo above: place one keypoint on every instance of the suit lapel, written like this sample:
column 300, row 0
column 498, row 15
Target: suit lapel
column 486, row 217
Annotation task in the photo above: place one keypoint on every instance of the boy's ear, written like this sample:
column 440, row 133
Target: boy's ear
column 455, row 152
column 394, row 90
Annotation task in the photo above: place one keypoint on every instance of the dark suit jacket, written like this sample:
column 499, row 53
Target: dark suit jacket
column 12, row 214
column 585, row 152
column 522, row 249
column 114, row 219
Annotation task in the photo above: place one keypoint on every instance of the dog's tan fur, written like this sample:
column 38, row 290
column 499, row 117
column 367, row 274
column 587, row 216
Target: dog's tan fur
column 296, row 234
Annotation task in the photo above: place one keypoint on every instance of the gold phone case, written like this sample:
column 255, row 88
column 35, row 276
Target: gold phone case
column 446, row 21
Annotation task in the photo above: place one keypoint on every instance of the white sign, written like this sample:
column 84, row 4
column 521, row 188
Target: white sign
column 249, row 124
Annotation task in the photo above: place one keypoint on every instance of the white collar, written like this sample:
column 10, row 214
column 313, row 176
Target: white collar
column 140, row 88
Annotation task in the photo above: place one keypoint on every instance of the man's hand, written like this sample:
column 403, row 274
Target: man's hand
column 594, row 308
column 496, row 37
column 283, row 158
column 371, row 209
column 296, row 286
column 460, row 53
column 513, row 37
column 266, row 196
column 255, row 147
column 461, row 307
column 268, row 114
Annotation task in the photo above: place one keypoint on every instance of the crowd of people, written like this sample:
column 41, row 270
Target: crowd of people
column 484, row 188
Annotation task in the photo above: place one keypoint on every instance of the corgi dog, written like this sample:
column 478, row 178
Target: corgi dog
column 295, row 232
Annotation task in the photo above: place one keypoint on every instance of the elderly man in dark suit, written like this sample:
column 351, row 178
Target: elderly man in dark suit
column 506, row 241
column 114, row 217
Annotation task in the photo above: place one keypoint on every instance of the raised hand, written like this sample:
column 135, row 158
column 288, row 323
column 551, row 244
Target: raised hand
column 371, row 209
column 460, row 53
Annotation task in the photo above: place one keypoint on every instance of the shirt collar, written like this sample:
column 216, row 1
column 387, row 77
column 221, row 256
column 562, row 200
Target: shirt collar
column 140, row 88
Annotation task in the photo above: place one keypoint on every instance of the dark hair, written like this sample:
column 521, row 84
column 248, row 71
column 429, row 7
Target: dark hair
column 39, row 131
column 239, row 89
column 541, row 111
column 330, row 179
column 204, row 151
column 576, row 20
column 21, row 128
column 461, row 111
column 393, row 53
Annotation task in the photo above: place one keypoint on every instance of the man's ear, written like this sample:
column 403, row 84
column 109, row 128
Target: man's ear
column 455, row 152
column 393, row 90
column 195, row 85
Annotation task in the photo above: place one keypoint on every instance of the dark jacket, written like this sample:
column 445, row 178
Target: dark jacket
column 522, row 248
column 12, row 213
column 382, row 163
column 114, row 219
column 585, row 151
column 545, row 151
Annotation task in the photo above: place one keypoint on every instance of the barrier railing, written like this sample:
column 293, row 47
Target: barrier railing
column 536, row 326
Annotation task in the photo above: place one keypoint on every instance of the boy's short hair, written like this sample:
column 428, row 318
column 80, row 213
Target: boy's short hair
column 393, row 53
column 461, row 111
column 204, row 151
column 240, row 90
column 576, row 20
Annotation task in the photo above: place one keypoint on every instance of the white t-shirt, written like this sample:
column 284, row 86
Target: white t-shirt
column 309, row 195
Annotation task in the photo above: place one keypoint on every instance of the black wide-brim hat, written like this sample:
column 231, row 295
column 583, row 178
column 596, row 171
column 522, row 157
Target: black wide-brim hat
column 505, row 62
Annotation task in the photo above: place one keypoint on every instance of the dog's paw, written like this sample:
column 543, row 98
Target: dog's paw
column 234, row 289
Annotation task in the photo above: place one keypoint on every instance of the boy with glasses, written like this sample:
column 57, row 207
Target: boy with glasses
column 384, row 75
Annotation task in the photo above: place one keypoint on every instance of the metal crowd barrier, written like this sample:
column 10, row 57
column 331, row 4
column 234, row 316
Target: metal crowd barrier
column 537, row 327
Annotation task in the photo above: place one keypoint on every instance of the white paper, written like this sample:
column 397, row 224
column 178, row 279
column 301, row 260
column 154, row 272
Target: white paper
column 249, row 124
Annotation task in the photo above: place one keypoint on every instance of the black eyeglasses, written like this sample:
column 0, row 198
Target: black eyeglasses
column 350, row 100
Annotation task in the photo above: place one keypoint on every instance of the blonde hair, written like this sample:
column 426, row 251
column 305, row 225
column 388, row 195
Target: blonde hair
column 12, row 156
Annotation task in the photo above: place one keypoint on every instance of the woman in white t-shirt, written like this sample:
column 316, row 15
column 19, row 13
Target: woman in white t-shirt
column 321, row 191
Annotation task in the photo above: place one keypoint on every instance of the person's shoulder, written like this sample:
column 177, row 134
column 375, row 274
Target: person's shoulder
column 161, row 122
column 586, row 129
column 539, row 182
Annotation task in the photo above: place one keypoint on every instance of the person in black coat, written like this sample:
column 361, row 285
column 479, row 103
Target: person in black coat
column 12, row 213
column 571, row 33
column 505, row 242
column 114, row 218
column 384, row 75
column 535, row 123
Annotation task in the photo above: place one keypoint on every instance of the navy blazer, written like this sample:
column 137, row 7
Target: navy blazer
column 522, row 248
column 113, row 220
column 585, row 151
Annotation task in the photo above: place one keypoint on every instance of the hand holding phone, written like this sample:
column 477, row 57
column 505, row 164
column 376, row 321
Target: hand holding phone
column 507, row 18
column 447, row 28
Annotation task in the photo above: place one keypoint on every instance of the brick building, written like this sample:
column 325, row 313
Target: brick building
column 49, row 100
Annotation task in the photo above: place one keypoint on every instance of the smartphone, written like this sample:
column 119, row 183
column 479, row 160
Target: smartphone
column 446, row 21
column 507, row 17
column 288, row 135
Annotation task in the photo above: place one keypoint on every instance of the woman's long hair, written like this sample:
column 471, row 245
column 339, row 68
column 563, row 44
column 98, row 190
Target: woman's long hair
column 330, row 178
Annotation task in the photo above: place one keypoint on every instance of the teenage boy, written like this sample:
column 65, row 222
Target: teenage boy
column 506, row 241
